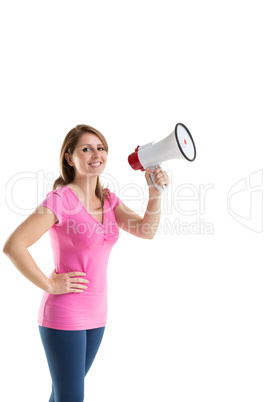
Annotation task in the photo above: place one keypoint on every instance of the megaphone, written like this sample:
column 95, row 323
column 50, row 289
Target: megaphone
column 177, row 145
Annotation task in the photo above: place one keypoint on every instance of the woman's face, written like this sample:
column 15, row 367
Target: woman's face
column 89, row 156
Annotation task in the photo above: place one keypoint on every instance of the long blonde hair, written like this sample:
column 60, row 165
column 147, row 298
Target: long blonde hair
column 67, row 173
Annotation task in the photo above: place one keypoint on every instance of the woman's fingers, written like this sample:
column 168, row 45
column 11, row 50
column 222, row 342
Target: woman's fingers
column 74, row 279
column 74, row 282
column 160, row 176
column 71, row 274
column 79, row 280
column 70, row 282
column 75, row 286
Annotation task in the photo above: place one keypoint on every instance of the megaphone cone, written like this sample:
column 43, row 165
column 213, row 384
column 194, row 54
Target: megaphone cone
column 177, row 145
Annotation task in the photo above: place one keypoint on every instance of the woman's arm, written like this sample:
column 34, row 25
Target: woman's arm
column 145, row 227
column 26, row 234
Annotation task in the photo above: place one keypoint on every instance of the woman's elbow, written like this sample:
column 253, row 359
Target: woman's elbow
column 6, row 248
column 10, row 246
column 148, row 232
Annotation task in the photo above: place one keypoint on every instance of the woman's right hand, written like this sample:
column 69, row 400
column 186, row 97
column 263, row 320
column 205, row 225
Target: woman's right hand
column 67, row 283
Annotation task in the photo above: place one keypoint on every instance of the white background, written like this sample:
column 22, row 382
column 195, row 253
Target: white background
column 187, row 318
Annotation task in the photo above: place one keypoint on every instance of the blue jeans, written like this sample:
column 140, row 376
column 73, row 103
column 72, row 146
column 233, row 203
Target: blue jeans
column 70, row 355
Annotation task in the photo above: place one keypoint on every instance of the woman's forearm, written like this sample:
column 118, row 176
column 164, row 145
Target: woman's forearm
column 25, row 263
column 151, row 219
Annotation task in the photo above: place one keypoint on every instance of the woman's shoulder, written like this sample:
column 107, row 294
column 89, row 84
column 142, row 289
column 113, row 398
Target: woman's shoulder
column 113, row 198
column 109, row 194
column 58, row 191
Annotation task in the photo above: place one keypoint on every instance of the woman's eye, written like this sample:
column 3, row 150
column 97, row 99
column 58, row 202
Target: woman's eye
column 101, row 148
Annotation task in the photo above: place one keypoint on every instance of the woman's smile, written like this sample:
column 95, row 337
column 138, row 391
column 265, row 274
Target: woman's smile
column 95, row 164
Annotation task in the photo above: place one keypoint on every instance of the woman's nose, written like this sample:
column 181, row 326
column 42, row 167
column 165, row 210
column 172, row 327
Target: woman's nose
column 96, row 152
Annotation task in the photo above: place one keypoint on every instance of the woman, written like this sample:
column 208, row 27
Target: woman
column 83, row 220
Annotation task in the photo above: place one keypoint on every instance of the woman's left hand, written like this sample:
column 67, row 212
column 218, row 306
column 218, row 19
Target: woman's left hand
column 160, row 178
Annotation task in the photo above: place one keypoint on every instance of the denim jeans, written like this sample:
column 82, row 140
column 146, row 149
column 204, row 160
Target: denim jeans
column 70, row 355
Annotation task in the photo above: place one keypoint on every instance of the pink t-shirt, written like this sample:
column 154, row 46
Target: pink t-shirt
column 79, row 243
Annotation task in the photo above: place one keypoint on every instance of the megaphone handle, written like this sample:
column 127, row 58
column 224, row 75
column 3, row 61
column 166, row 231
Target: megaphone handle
column 159, row 188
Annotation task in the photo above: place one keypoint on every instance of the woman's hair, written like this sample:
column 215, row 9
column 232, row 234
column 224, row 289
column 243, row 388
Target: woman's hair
column 67, row 173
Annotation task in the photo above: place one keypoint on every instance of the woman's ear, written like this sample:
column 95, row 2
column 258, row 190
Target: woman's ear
column 68, row 158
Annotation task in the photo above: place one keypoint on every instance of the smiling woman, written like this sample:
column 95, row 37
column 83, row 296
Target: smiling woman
column 83, row 146
column 91, row 147
column 83, row 221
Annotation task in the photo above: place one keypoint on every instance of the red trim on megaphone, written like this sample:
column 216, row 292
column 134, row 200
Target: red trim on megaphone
column 134, row 161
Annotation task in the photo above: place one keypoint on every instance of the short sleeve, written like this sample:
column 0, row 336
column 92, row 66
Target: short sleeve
column 113, row 199
column 116, row 200
column 53, row 201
